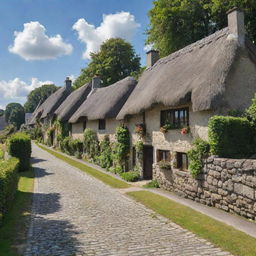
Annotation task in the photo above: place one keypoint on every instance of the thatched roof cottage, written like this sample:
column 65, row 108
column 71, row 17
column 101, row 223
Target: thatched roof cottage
column 101, row 107
column 70, row 105
column 176, row 96
column 45, row 111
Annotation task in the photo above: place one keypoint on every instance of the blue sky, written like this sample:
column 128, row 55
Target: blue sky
column 24, row 64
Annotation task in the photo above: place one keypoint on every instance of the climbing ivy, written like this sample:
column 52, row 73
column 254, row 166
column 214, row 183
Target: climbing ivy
column 196, row 155
column 91, row 144
column 105, row 157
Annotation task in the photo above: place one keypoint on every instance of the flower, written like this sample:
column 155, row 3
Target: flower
column 184, row 130
column 140, row 129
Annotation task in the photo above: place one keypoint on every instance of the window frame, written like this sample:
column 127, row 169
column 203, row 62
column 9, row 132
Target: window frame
column 102, row 124
column 163, row 155
column 180, row 163
column 176, row 122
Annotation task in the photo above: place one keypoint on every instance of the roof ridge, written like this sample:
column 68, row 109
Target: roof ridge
column 189, row 48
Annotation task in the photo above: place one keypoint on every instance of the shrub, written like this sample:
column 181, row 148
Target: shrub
column 19, row 146
column 152, row 184
column 116, row 169
column 91, row 144
column 77, row 148
column 196, row 155
column 232, row 137
column 250, row 113
column 8, row 183
column 105, row 157
column 121, row 148
column 130, row 176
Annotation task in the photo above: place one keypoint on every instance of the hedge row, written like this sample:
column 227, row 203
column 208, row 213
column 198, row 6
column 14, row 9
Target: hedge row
column 19, row 146
column 232, row 137
column 8, row 183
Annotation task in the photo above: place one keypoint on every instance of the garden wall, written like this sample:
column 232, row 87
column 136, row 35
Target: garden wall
column 227, row 184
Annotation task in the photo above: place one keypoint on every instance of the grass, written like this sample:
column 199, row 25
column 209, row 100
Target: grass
column 107, row 179
column 218, row 233
column 14, row 228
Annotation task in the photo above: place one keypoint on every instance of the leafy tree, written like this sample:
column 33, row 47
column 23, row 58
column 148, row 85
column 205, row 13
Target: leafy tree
column 37, row 95
column 15, row 114
column 115, row 60
column 177, row 23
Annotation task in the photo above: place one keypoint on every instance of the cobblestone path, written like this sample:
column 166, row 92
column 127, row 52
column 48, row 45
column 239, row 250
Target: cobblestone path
column 74, row 214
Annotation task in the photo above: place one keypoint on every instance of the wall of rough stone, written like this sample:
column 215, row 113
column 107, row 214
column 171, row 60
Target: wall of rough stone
column 227, row 184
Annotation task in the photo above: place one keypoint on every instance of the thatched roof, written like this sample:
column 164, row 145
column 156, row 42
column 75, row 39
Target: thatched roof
column 105, row 102
column 73, row 102
column 50, row 104
column 196, row 74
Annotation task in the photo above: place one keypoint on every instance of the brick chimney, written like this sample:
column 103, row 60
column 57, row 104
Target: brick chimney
column 96, row 82
column 236, row 24
column 152, row 57
column 68, row 83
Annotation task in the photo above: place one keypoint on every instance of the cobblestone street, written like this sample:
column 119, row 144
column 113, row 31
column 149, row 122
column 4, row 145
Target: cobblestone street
column 75, row 214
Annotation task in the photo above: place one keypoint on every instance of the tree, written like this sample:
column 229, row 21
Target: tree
column 38, row 95
column 115, row 60
column 177, row 23
column 15, row 114
column 1, row 112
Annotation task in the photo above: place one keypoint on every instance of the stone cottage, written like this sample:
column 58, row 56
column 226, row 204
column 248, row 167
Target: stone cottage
column 176, row 95
column 101, row 107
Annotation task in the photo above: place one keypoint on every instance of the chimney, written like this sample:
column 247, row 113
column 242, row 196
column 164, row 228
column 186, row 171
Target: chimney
column 152, row 57
column 96, row 82
column 236, row 24
column 68, row 83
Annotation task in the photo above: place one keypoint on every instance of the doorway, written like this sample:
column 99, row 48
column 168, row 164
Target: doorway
column 147, row 162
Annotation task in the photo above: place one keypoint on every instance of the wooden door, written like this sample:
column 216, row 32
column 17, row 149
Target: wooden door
column 147, row 162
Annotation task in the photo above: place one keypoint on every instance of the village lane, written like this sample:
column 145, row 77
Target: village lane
column 75, row 214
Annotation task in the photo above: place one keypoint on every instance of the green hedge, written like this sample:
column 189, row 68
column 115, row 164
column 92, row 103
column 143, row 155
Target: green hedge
column 130, row 176
column 232, row 137
column 20, row 147
column 8, row 183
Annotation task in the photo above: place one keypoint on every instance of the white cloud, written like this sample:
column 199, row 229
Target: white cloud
column 33, row 44
column 121, row 25
column 16, row 90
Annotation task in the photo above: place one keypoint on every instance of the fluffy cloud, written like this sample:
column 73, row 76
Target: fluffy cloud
column 33, row 44
column 121, row 25
column 16, row 90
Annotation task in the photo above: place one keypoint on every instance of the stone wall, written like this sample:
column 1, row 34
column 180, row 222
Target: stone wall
column 227, row 184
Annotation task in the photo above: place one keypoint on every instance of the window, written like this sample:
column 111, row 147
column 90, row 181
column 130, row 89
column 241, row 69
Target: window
column 102, row 124
column 163, row 155
column 176, row 118
column 182, row 161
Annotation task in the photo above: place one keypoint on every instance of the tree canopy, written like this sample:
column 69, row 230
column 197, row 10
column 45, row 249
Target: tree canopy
column 115, row 60
column 177, row 23
column 39, row 94
column 15, row 114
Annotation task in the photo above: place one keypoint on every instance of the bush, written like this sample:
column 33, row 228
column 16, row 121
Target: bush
column 8, row 183
column 152, row 184
column 231, row 137
column 196, row 155
column 77, row 148
column 105, row 157
column 130, row 176
column 91, row 144
column 19, row 146
column 251, row 112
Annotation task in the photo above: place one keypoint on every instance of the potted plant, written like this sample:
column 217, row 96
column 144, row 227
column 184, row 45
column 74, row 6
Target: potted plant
column 184, row 130
column 165, row 165
column 165, row 128
column 140, row 129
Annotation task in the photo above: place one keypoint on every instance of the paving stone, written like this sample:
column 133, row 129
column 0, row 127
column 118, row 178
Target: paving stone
column 75, row 214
